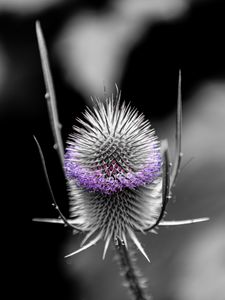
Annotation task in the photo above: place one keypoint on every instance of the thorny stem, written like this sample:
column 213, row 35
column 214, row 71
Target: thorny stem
column 133, row 279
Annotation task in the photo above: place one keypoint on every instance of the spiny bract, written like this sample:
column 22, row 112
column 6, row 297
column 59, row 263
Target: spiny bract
column 113, row 167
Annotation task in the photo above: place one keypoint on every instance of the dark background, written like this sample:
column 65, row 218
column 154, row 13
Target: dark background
column 33, row 257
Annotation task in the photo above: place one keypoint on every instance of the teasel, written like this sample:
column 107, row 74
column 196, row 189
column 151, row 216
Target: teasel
column 118, row 174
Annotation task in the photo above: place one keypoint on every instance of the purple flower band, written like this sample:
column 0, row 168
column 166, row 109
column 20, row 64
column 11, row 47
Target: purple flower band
column 116, row 180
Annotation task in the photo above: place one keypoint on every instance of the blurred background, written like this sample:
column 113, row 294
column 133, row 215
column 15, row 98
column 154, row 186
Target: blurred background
column 140, row 45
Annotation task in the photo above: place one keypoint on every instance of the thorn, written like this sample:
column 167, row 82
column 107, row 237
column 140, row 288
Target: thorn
column 117, row 89
column 137, row 243
column 91, row 243
column 106, row 247
column 47, row 96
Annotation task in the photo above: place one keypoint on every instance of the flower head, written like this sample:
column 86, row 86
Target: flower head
column 113, row 167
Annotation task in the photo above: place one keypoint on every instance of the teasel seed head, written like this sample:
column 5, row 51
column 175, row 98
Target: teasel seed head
column 113, row 166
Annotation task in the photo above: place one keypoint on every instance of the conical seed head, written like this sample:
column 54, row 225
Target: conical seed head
column 114, row 149
column 113, row 167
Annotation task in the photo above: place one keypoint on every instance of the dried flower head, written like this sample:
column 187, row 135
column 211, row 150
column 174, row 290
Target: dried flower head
column 113, row 166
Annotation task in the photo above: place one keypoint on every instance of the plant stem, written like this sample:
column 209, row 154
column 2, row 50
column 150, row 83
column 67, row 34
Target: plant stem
column 129, row 270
